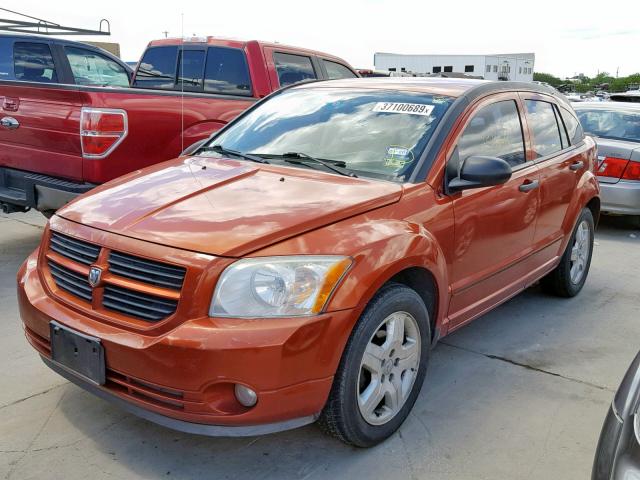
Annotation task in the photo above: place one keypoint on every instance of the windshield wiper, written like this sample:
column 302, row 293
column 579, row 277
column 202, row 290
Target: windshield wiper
column 300, row 158
column 227, row 151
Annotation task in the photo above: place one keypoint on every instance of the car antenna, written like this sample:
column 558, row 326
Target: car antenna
column 182, row 82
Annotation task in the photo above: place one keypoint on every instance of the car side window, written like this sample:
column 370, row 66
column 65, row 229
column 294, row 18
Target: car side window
column 33, row 62
column 544, row 126
column 293, row 68
column 574, row 129
column 227, row 71
column 563, row 131
column 337, row 70
column 495, row 131
column 157, row 68
column 91, row 68
column 6, row 59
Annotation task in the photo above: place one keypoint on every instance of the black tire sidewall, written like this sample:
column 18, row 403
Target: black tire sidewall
column 391, row 299
column 574, row 288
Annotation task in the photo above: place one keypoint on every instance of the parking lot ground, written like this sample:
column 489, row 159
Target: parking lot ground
column 519, row 394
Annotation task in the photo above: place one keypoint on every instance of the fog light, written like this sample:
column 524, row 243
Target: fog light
column 246, row 396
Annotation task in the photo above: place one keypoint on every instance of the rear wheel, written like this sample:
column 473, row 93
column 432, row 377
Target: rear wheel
column 569, row 276
column 382, row 369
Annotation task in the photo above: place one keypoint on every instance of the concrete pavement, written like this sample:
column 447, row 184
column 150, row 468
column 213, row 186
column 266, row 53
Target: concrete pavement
column 519, row 394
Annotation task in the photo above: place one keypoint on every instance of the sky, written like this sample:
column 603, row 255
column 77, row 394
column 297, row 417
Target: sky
column 568, row 37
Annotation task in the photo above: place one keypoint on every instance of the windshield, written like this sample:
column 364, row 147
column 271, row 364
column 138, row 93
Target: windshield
column 369, row 133
column 617, row 124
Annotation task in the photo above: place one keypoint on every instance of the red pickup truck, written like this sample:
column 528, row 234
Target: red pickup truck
column 66, row 130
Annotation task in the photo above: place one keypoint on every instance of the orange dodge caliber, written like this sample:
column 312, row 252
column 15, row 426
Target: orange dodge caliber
column 301, row 263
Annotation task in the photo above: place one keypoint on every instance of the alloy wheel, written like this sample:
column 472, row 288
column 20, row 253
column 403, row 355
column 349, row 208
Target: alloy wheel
column 389, row 368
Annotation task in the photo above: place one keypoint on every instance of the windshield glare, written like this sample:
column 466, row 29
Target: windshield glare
column 618, row 124
column 374, row 133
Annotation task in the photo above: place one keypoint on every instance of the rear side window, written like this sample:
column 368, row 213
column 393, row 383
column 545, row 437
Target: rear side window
column 574, row 129
column 337, row 70
column 545, row 128
column 6, row 59
column 495, row 131
column 33, row 62
column 157, row 68
column 293, row 68
column 91, row 68
column 227, row 72
column 190, row 69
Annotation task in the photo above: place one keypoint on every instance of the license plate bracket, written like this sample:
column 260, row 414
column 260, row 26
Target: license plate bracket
column 80, row 353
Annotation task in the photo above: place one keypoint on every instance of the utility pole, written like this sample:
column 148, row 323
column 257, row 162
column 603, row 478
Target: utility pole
column 166, row 33
column 617, row 70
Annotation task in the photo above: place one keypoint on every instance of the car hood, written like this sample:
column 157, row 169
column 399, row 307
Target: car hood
column 225, row 207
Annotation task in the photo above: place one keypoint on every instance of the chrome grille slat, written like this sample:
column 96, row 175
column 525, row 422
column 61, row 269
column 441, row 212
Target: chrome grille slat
column 148, row 271
column 74, row 249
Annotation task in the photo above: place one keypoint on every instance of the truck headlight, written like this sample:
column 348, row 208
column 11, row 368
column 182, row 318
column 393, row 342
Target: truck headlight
column 277, row 286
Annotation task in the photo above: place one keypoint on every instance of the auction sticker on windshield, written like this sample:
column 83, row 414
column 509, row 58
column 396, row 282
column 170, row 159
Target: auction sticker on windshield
column 410, row 108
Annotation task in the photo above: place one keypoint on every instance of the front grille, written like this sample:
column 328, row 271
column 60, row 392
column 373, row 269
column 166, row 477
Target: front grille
column 117, row 293
column 70, row 281
column 148, row 271
column 74, row 249
column 137, row 304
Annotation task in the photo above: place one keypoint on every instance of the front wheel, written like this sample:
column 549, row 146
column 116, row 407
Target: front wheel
column 382, row 369
column 569, row 276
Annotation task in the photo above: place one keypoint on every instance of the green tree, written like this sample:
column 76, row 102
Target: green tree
column 548, row 78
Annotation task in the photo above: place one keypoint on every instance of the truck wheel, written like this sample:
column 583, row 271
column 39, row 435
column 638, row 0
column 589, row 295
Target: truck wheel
column 382, row 369
column 568, row 278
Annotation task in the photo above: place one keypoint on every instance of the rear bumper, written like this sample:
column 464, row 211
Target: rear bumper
column 620, row 198
column 20, row 190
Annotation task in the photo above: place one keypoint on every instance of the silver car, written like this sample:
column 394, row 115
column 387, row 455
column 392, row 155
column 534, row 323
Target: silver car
column 616, row 128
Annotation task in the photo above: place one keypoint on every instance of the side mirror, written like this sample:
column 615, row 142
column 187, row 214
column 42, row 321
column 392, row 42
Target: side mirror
column 479, row 171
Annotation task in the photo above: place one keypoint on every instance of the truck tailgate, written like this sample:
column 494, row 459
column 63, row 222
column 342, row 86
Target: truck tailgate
column 46, row 133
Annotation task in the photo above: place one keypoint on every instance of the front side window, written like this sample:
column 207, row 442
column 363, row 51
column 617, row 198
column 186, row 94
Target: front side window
column 33, row 62
column 157, row 68
column 494, row 131
column 293, row 68
column 227, row 72
column 91, row 68
column 377, row 134
column 544, row 126
column 337, row 70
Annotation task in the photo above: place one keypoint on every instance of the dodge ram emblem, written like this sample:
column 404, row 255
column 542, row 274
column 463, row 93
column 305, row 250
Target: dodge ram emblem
column 94, row 276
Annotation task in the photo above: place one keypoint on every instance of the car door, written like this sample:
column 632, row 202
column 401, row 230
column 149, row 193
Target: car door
column 560, row 168
column 494, row 226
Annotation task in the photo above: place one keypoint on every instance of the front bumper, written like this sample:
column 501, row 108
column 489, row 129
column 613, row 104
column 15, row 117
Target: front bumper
column 621, row 198
column 184, row 378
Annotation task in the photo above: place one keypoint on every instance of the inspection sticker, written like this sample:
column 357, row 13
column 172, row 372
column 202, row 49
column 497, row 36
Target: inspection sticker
column 410, row 108
column 398, row 157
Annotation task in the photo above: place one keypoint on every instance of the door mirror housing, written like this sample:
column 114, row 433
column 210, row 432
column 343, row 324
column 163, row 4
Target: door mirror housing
column 480, row 171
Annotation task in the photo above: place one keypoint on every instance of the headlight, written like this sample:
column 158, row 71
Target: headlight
column 277, row 286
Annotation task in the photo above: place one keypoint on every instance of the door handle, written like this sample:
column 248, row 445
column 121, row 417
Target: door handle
column 576, row 166
column 9, row 123
column 529, row 185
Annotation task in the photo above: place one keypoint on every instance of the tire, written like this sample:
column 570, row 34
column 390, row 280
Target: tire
column 561, row 281
column 405, row 358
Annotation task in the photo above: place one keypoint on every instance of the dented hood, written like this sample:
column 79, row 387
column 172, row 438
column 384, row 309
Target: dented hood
column 225, row 207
